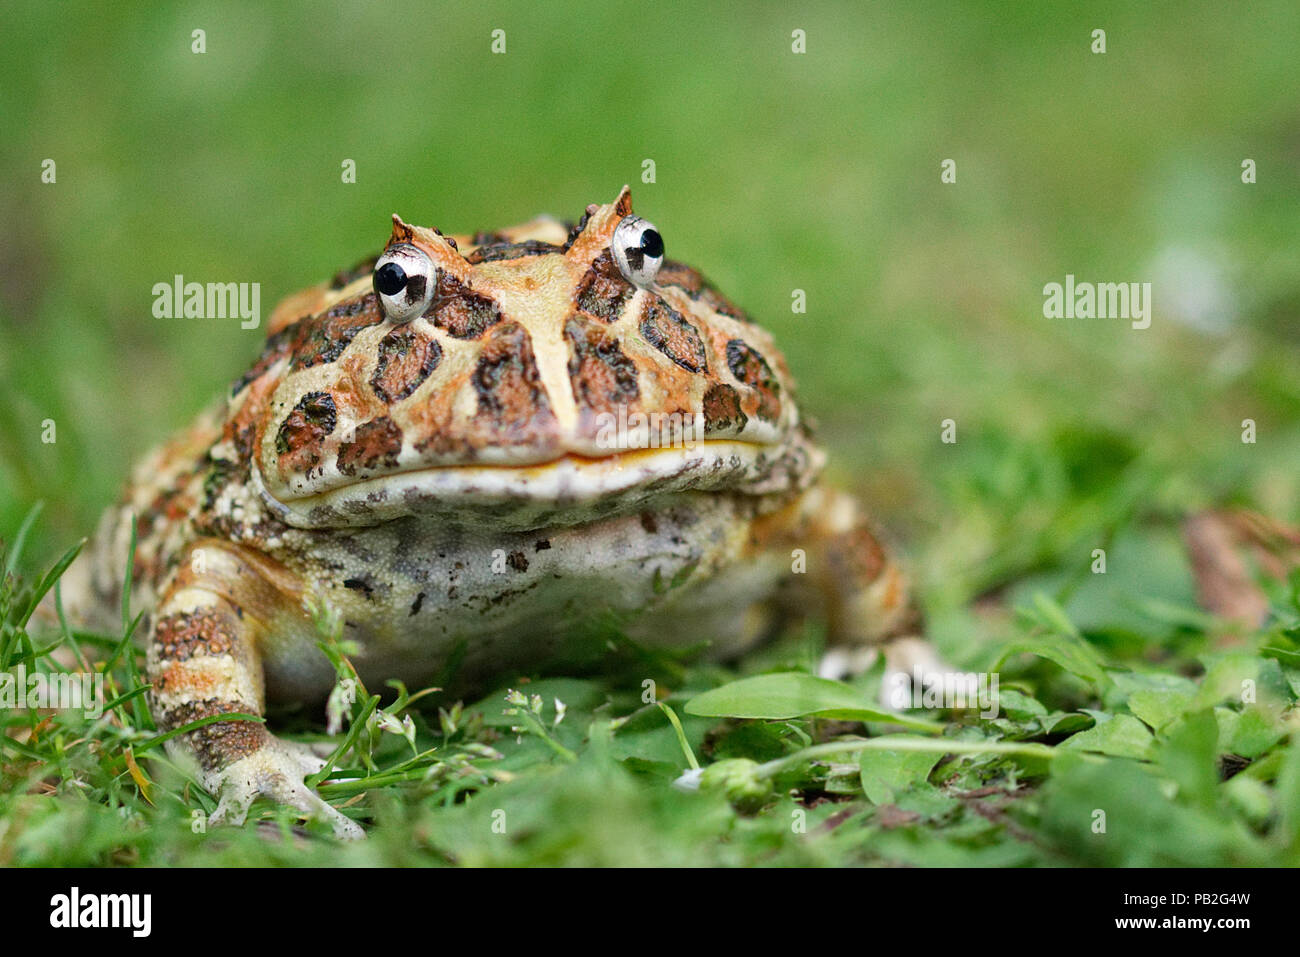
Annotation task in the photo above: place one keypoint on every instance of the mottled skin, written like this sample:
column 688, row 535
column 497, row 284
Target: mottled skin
column 443, row 484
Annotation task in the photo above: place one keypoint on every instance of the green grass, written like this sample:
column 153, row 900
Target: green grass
column 1153, row 737
column 774, row 172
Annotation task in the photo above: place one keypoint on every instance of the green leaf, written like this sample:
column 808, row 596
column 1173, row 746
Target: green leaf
column 886, row 773
column 1158, row 707
column 15, row 551
column 1288, row 796
column 1065, row 722
column 1253, row 733
column 1019, row 706
column 1053, row 616
column 1188, row 754
column 1057, row 640
column 794, row 694
column 1120, row 736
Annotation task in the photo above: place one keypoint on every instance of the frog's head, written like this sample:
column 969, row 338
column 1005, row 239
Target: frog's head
column 540, row 363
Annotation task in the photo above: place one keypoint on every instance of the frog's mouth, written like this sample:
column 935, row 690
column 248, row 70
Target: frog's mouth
column 568, row 490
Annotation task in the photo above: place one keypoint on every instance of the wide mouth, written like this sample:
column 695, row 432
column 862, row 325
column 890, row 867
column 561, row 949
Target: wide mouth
column 569, row 489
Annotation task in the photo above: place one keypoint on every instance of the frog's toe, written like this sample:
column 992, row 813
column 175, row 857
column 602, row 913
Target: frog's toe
column 311, row 756
column 840, row 663
column 276, row 771
column 909, row 659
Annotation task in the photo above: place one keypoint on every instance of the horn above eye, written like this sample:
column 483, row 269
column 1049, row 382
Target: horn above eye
column 404, row 281
column 638, row 250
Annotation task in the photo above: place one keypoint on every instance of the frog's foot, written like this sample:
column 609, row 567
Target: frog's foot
column 870, row 610
column 276, row 771
column 908, row 660
column 204, row 664
column 840, row 663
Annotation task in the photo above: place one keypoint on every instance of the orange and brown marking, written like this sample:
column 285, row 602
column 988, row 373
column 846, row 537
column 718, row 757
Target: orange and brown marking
column 377, row 445
column 222, row 743
column 603, row 378
column 406, row 358
column 461, row 311
column 855, row 558
column 699, row 289
column 722, row 410
column 181, row 635
column 323, row 338
column 752, row 369
column 603, row 292
column 665, row 329
column 304, row 429
column 511, row 400
column 278, row 346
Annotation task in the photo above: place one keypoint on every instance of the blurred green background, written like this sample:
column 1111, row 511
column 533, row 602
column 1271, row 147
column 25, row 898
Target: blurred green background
column 774, row 172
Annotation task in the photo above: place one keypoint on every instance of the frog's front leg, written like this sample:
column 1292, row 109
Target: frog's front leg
column 204, row 660
column 869, row 607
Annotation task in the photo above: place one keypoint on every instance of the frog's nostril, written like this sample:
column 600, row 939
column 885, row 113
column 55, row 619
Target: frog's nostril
column 390, row 279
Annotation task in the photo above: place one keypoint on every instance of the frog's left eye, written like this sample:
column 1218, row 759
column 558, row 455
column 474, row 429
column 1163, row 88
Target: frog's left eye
column 638, row 249
column 404, row 282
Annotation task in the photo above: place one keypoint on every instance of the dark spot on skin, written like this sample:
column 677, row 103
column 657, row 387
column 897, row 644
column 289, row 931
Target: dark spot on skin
column 359, row 584
column 415, row 605
column 406, row 359
column 722, row 410
column 518, row 561
column 649, row 523
column 602, row 377
column 464, row 313
column 498, row 251
column 304, row 428
column 510, row 393
column 542, row 545
column 345, row 276
column 376, row 445
column 752, row 369
column 665, row 329
column 699, row 289
column 484, row 238
column 603, row 292
column 323, row 338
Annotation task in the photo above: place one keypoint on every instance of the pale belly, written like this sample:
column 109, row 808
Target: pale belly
column 468, row 608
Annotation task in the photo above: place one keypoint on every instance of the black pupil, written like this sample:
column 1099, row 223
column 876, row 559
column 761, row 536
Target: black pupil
column 652, row 244
column 390, row 279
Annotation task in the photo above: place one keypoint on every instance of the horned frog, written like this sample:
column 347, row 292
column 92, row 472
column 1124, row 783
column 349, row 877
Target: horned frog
column 466, row 447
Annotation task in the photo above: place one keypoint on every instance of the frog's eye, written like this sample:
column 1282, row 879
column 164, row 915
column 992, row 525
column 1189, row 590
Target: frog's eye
column 404, row 281
column 638, row 249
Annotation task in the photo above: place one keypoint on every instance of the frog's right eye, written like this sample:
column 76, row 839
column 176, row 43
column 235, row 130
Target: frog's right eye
column 404, row 282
